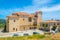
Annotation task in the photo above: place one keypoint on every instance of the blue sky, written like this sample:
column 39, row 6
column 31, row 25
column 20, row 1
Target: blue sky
column 50, row 8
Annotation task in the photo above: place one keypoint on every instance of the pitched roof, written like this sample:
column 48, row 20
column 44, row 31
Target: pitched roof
column 12, row 16
column 51, row 21
column 31, row 15
column 21, row 13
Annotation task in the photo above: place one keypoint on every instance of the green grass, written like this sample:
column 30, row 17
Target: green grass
column 24, row 37
column 34, row 37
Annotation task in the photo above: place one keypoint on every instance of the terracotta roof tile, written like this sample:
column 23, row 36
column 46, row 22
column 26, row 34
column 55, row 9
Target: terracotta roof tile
column 31, row 15
column 51, row 21
column 13, row 16
column 21, row 13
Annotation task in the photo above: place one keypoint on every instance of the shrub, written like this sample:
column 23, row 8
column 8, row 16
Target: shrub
column 26, row 34
column 54, row 27
column 15, row 35
column 35, row 33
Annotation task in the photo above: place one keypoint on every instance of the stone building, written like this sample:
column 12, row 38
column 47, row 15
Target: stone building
column 49, row 24
column 21, row 21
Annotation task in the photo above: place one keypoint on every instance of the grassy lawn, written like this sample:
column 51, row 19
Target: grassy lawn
column 33, row 37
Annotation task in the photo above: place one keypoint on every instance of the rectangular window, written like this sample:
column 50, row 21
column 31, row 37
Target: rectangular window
column 30, row 19
column 13, row 28
column 23, row 19
column 16, row 29
column 14, row 20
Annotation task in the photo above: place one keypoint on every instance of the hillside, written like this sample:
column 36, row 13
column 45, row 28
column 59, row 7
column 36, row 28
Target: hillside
column 2, row 23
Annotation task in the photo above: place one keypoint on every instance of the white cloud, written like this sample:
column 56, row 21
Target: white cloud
column 41, row 2
column 31, row 9
column 35, row 7
column 53, row 8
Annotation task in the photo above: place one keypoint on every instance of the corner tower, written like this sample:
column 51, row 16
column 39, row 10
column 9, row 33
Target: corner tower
column 39, row 18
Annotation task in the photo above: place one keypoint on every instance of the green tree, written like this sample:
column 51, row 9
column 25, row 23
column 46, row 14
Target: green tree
column 44, row 25
column 5, row 28
column 2, row 23
column 54, row 27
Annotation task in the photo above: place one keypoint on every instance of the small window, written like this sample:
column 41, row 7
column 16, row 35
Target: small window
column 17, row 15
column 24, row 28
column 54, row 23
column 30, row 28
column 35, row 24
column 35, row 27
column 13, row 28
column 57, row 23
column 14, row 20
column 23, row 19
column 16, row 29
column 30, row 19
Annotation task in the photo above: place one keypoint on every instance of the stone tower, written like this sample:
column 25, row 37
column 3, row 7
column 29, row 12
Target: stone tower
column 39, row 18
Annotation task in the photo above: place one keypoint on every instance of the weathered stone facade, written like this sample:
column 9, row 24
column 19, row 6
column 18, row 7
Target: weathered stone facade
column 20, row 21
column 50, row 24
